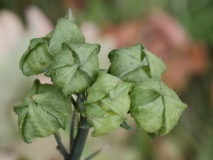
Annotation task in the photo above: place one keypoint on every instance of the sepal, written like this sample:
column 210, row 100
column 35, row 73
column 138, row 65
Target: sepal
column 107, row 104
column 155, row 107
column 135, row 64
column 37, row 58
column 43, row 111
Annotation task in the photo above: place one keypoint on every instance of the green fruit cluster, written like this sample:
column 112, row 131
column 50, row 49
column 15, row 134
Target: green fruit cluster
column 132, row 86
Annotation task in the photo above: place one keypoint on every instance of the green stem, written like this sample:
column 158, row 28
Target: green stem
column 79, row 141
column 72, row 129
column 80, row 106
column 61, row 147
column 73, row 102
column 97, row 152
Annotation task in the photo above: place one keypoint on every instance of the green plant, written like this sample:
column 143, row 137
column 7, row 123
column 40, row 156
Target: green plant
column 132, row 85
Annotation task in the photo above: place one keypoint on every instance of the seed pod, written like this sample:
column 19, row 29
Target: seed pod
column 75, row 68
column 43, row 112
column 135, row 64
column 37, row 58
column 66, row 31
column 155, row 107
column 107, row 104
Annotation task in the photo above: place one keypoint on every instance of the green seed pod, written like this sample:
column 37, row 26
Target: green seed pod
column 66, row 31
column 155, row 107
column 37, row 58
column 75, row 68
column 135, row 64
column 107, row 104
column 43, row 111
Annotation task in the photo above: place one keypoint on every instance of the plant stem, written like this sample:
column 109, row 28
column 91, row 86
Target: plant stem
column 73, row 102
column 61, row 147
column 72, row 129
column 97, row 152
column 79, row 141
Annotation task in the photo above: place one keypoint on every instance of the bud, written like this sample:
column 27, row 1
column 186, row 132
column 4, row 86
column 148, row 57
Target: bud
column 66, row 31
column 107, row 104
column 43, row 111
column 75, row 68
column 155, row 107
column 135, row 64
column 37, row 58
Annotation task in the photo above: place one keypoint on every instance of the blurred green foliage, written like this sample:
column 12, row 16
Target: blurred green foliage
column 195, row 15
column 53, row 9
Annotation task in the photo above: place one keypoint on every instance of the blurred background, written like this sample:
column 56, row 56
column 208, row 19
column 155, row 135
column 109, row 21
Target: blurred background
column 179, row 32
